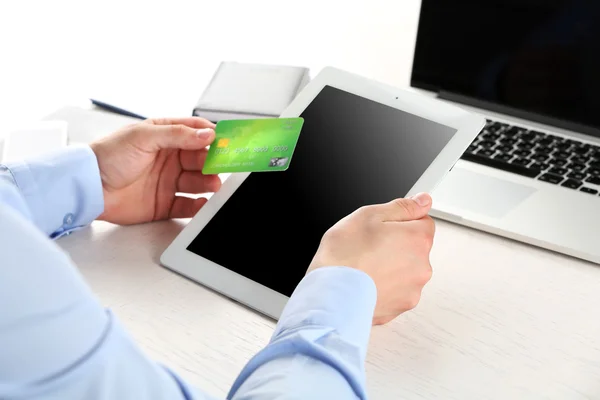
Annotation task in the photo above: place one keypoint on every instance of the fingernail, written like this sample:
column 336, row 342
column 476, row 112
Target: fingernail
column 205, row 133
column 422, row 199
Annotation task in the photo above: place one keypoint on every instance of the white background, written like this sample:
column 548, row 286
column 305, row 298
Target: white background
column 156, row 57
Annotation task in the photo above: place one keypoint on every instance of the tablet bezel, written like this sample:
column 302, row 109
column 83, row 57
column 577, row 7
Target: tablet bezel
column 268, row 301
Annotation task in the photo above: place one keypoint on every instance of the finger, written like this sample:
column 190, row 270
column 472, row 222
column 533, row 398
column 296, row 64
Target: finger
column 429, row 225
column 185, row 207
column 196, row 182
column 177, row 137
column 408, row 209
column 427, row 274
column 192, row 122
column 420, row 229
column 192, row 160
column 382, row 320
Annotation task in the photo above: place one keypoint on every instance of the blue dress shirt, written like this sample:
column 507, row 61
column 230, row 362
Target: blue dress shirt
column 58, row 342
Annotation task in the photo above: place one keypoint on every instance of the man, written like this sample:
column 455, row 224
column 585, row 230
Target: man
column 56, row 340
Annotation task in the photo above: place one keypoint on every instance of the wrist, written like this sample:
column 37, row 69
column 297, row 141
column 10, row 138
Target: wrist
column 107, row 199
column 105, row 215
column 336, row 296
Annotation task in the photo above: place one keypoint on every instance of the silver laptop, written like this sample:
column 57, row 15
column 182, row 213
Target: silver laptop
column 533, row 69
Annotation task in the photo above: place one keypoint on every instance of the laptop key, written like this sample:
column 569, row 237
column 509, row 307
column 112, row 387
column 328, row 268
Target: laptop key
column 521, row 161
column 503, row 148
column 471, row 149
column 577, row 175
column 486, row 152
column 495, row 127
column 562, row 146
column 588, row 190
column 540, row 166
column 521, row 153
column 561, row 154
column 572, row 184
column 540, row 157
column 594, row 180
column 558, row 171
column 559, row 162
column 543, row 150
column 512, row 131
column 538, row 134
column 504, row 166
column 595, row 164
column 527, row 136
column 490, row 136
column 581, row 150
column 593, row 171
column 576, row 167
column 526, row 145
column 487, row 144
column 580, row 159
column 551, row 178
column 503, row 157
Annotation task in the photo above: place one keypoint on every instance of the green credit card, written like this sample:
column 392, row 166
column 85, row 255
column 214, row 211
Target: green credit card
column 253, row 145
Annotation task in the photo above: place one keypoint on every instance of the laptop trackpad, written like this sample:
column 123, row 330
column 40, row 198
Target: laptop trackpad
column 481, row 194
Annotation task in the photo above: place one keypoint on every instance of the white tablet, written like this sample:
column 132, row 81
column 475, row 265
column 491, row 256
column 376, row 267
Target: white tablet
column 362, row 143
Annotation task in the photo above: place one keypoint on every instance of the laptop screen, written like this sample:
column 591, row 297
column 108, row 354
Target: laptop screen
column 538, row 56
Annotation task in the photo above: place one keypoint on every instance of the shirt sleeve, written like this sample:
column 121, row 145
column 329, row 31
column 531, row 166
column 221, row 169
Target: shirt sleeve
column 56, row 339
column 59, row 192
column 319, row 347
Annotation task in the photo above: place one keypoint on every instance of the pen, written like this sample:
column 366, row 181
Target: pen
column 115, row 110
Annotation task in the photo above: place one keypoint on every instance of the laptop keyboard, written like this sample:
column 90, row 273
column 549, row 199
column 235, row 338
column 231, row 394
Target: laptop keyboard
column 537, row 155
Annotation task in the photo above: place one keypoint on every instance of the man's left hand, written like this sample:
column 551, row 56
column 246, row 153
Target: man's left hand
column 143, row 166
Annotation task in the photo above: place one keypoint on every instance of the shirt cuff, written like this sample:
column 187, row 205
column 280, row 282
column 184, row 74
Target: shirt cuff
column 340, row 298
column 62, row 189
column 10, row 196
column 328, row 318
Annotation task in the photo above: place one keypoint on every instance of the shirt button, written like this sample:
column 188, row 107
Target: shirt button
column 68, row 220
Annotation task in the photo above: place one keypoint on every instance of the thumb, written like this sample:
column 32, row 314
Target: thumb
column 180, row 137
column 409, row 209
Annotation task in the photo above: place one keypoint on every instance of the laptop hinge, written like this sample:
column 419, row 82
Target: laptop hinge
column 518, row 113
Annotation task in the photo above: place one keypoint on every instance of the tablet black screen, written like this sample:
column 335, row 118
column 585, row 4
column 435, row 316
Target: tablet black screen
column 352, row 152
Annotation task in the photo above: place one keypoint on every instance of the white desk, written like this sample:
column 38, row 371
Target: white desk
column 499, row 320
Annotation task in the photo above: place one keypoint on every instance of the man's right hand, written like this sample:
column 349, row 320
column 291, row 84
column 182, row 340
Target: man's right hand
column 391, row 243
